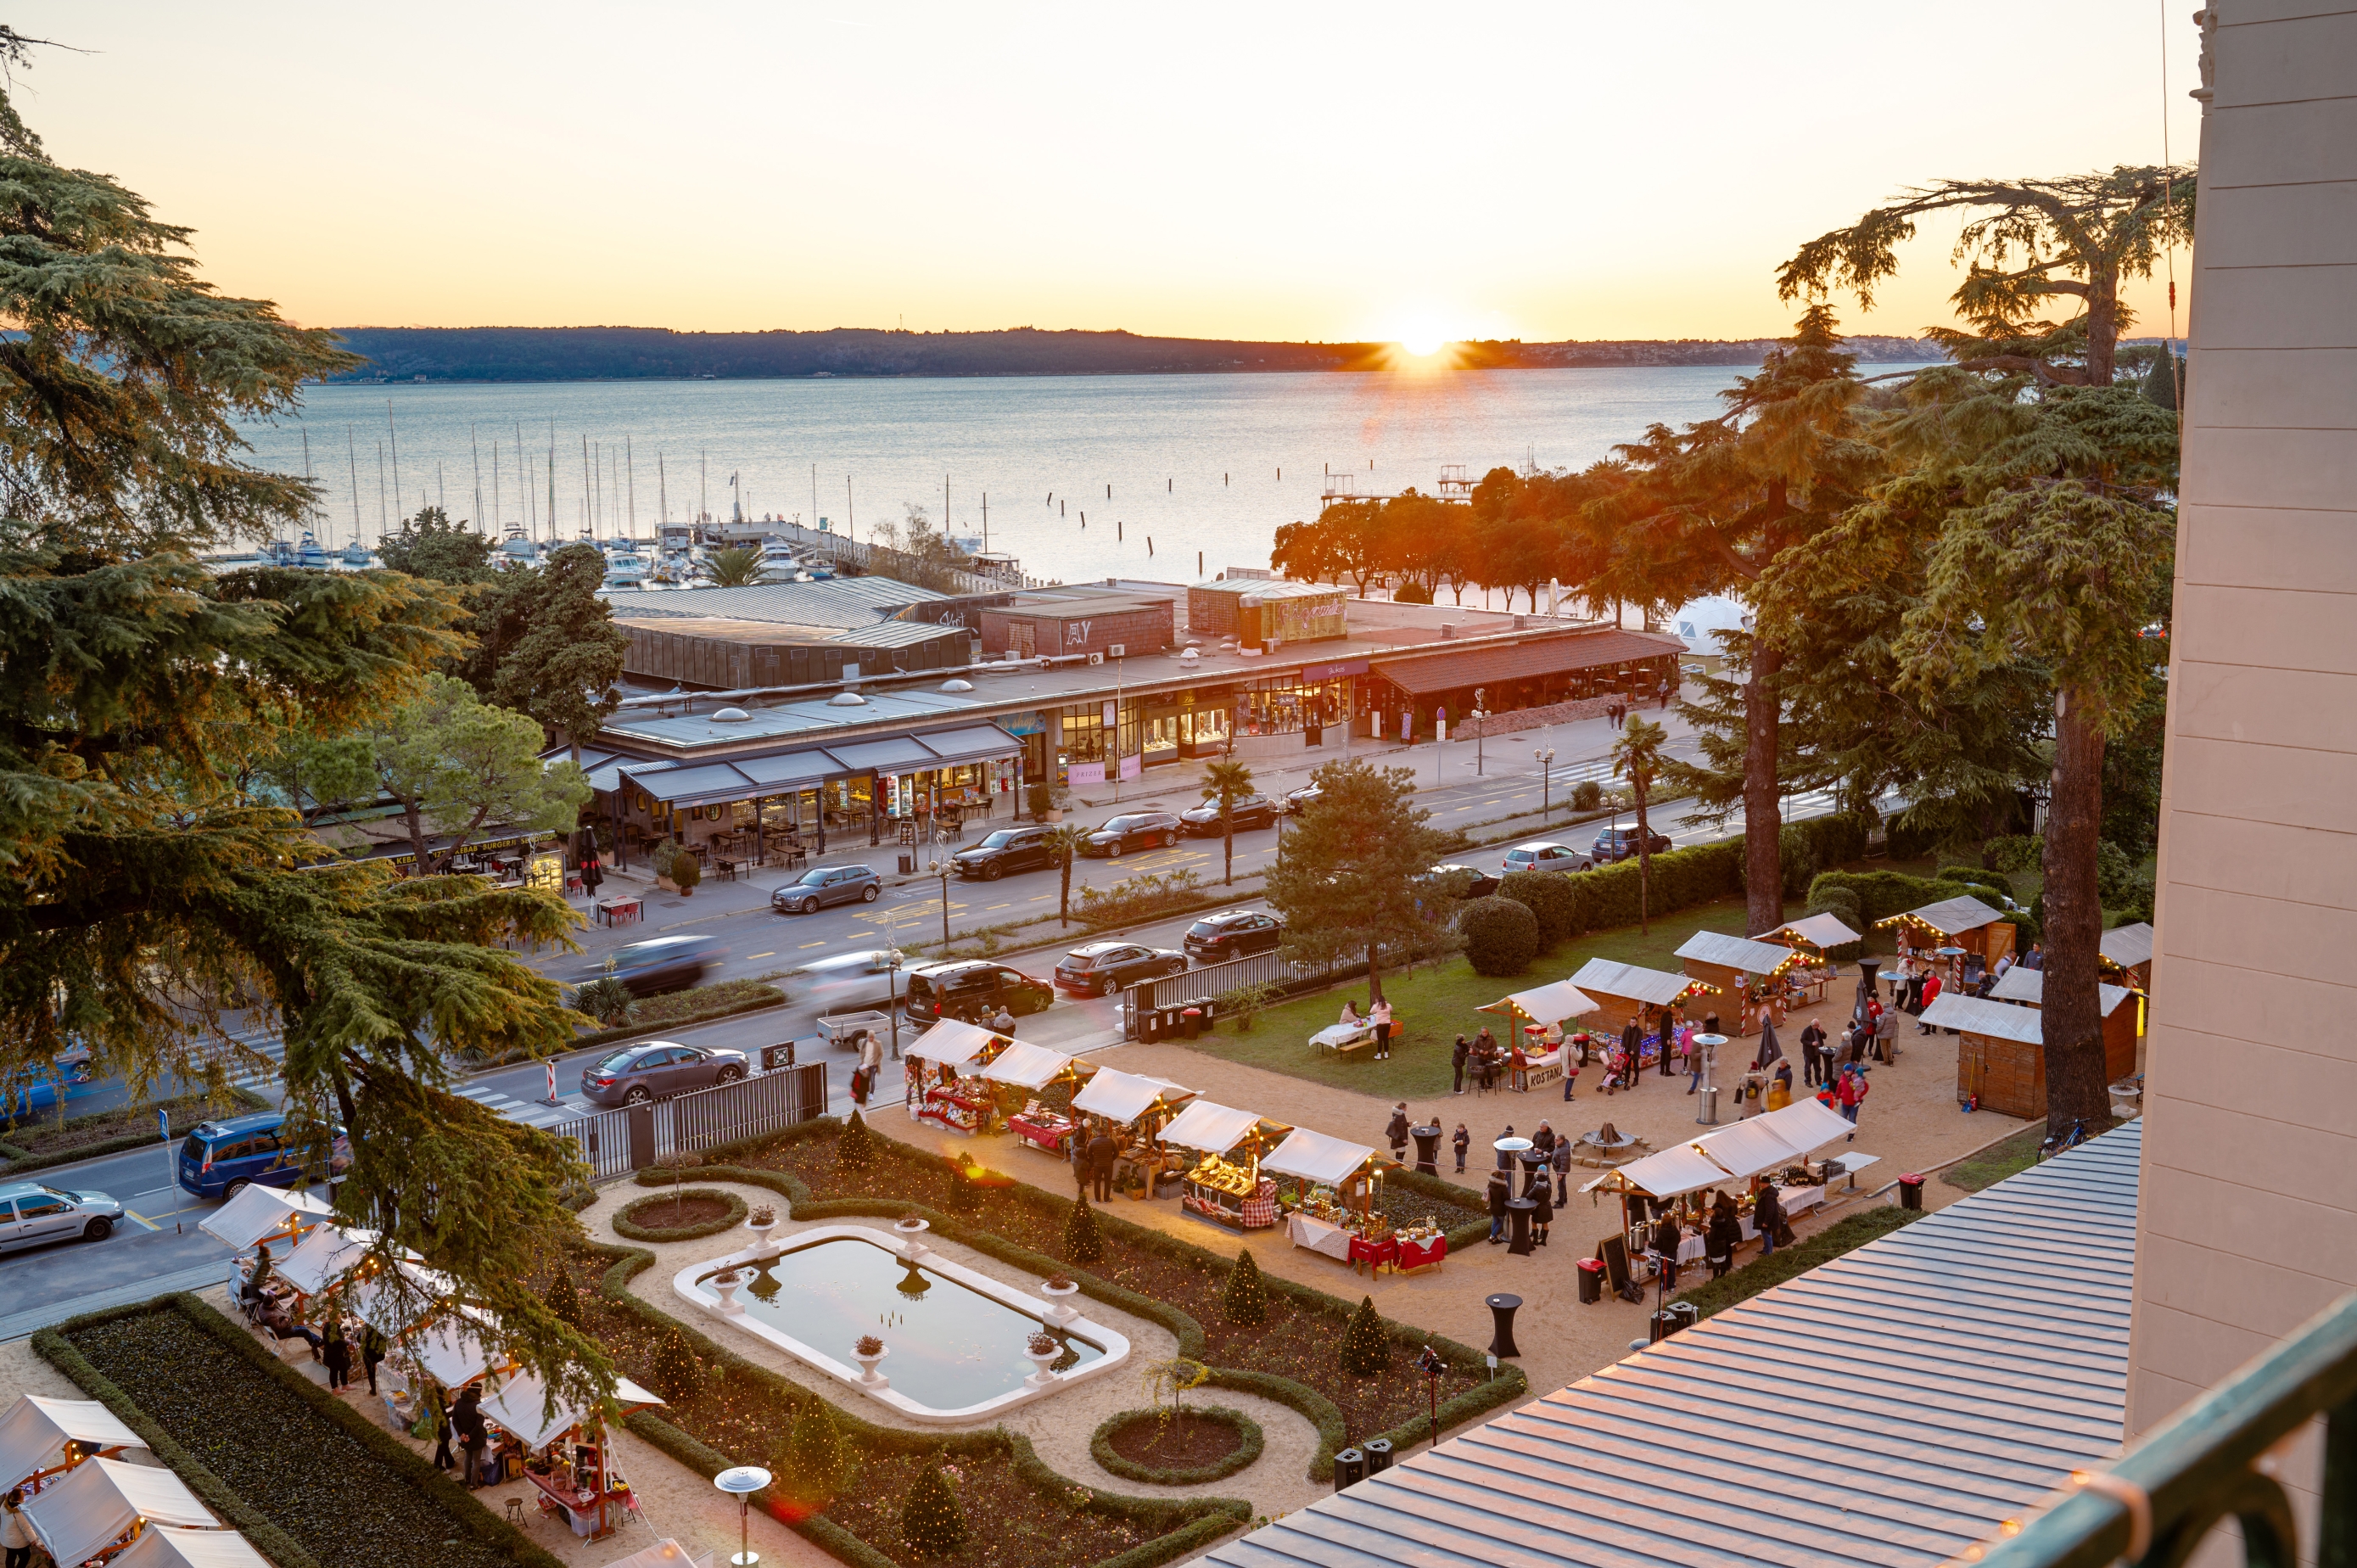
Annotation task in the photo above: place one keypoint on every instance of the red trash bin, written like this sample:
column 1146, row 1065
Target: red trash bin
column 1591, row 1280
column 1194, row 1025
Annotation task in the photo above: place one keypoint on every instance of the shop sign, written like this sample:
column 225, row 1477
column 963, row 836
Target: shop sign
column 1080, row 773
column 1024, row 723
column 1312, row 672
column 1132, row 766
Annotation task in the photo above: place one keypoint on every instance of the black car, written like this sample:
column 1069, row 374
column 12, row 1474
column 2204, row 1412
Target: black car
column 1460, row 881
column 658, row 965
column 1251, row 812
column 822, row 885
column 1234, row 933
column 1007, row 849
column 1621, row 843
column 1299, row 800
column 1103, row 968
column 975, row 990
column 1136, row 830
column 656, row 1069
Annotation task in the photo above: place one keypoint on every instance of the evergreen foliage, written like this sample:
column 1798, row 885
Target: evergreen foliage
column 1551, row 899
column 1347, row 882
column 813, row 1462
column 546, row 645
column 564, row 1300
column 854, row 1146
column 1083, row 1243
column 1245, row 1299
column 931, row 1522
column 606, row 1000
column 678, row 1375
column 1501, row 934
column 431, row 545
column 1365, row 1352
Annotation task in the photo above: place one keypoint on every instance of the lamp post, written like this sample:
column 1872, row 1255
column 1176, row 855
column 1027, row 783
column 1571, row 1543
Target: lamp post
column 942, row 871
column 741, row 1482
column 892, row 999
column 1480, row 707
column 1544, row 757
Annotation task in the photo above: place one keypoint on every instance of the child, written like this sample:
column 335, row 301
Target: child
column 1461, row 1141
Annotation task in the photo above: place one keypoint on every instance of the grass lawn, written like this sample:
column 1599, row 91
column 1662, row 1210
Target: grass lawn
column 1435, row 1003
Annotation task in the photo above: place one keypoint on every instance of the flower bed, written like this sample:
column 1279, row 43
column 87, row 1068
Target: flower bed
column 680, row 1216
column 1197, row 1446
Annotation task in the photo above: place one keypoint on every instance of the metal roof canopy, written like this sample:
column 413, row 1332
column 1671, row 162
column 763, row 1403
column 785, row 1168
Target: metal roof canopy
column 1654, row 987
column 1737, row 952
column 2128, row 946
column 1889, row 1408
column 1424, row 672
column 1214, row 1129
column 1949, row 917
column 2020, row 984
column 2000, row 1020
column 744, row 777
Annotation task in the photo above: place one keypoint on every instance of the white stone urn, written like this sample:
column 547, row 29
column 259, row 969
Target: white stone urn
column 725, row 1286
column 868, row 1372
column 1059, row 1310
column 763, row 1247
column 913, row 1230
column 1042, row 1361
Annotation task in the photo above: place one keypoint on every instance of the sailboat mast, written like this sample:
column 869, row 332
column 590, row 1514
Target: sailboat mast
column 384, row 526
column 497, row 510
column 396, row 451
column 475, row 445
column 353, row 452
column 552, row 524
column 310, row 502
column 662, row 494
column 631, row 473
column 703, row 488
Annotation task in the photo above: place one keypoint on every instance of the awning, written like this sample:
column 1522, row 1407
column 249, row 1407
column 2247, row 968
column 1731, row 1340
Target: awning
column 33, row 1433
column 1653, row 987
column 974, row 743
column 1124, row 1096
column 1666, row 1174
column 390, row 1308
column 95, row 1505
column 1949, row 917
column 1315, row 1157
column 1807, row 1123
column 1747, row 1148
column 1027, row 1065
column 1214, row 1129
column 900, row 754
column 260, row 1212
column 2021, row 984
column 1546, row 1003
column 1737, row 952
column 954, row 1042
column 1427, row 673
column 167, row 1546
column 326, row 1255
column 519, row 1408
column 1819, row 931
column 452, row 1353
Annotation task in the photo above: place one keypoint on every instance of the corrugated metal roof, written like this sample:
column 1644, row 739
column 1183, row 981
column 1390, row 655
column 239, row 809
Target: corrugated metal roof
column 1736, row 952
column 1950, row 917
column 1429, row 671
column 746, row 778
column 1884, row 1411
column 842, row 601
column 1655, row 987
column 1975, row 1015
column 2020, row 984
column 2129, row 945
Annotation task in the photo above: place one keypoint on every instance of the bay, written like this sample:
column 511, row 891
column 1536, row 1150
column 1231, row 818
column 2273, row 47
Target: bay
column 1086, row 476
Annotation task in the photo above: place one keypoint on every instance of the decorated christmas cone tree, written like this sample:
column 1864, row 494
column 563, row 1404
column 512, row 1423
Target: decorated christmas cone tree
column 1364, row 1350
column 855, row 1148
column 811, row 1463
column 1246, row 1301
column 563, row 1299
column 1083, row 1244
column 931, row 1521
column 678, row 1375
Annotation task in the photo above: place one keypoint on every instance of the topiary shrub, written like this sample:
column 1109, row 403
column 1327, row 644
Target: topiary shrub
column 563, row 1299
column 1587, row 795
column 1250, row 1444
column 813, row 1464
column 1551, row 896
column 854, row 1146
column 1245, row 1299
column 931, row 1522
column 643, row 1220
column 685, row 872
column 678, row 1375
column 1501, row 934
column 1365, row 1352
column 608, row 1001
column 1083, row 1243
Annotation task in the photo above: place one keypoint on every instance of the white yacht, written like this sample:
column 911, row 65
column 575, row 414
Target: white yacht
column 357, row 554
column 518, row 550
column 311, row 553
column 626, row 568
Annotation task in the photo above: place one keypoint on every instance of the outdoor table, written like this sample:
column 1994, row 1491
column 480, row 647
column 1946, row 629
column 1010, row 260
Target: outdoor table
column 1341, row 1038
column 583, row 1508
column 1534, row 1165
column 1502, row 1323
column 1535, row 1071
column 1691, row 1248
column 1308, row 1230
column 1506, row 1149
column 1853, row 1164
column 619, row 911
column 1519, row 1211
column 1048, row 1132
column 1428, row 1148
column 1374, row 1254
column 1421, row 1254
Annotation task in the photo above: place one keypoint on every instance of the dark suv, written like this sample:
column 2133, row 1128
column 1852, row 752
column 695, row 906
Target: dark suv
column 974, row 989
column 1008, row 849
column 1621, row 843
column 656, row 1069
column 1136, row 829
column 660, row 964
column 1103, row 968
column 1234, row 933
column 1251, row 812
column 826, row 885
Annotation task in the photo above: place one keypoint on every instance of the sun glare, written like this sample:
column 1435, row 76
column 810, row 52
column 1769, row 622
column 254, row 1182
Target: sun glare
column 1423, row 342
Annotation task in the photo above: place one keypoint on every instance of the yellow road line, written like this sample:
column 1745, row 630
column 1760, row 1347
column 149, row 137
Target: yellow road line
column 134, row 1214
column 761, row 955
column 806, row 946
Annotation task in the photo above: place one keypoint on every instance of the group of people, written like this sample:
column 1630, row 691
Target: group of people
column 269, row 1307
column 1378, row 1019
column 1840, row 1084
column 1483, row 1060
column 1550, row 1189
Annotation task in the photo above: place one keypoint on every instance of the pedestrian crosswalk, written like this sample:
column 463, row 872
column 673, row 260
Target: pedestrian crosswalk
column 263, row 1077
column 531, row 1114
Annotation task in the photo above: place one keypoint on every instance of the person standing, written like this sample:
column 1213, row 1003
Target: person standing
column 372, row 1350
column 337, row 1352
column 1668, row 1038
column 1004, row 1023
column 2036, row 958
column 1886, row 1036
column 1458, row 1056
column 1498, row 1189
column 1461, row 1140
column 1666, row 1240
column 1103, row 1153
column 1380, row 1015
column 1505, row 1160
column 1076, row 1151
column 1396, row 1131
column 1543, row 1194
column 1852, row 1095
column 15, row 1533
column 1812, row 1066
column 871, row 1063
column 1930, row 994
column 443, row 1431
column 1721, row 1237
column 1562, row 1163
column 1767, row 1216
column 474, row 1435
column 1633, row 1045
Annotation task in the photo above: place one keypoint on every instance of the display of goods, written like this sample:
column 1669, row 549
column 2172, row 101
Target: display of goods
column 1217, row 1174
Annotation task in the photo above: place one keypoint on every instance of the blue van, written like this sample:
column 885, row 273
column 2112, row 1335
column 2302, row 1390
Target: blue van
column 221, row 1159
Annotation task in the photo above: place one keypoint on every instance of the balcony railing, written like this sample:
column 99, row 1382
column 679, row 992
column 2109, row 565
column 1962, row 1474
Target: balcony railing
column 2216, row 1460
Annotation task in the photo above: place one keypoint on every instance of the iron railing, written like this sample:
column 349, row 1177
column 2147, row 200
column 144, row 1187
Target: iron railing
column 2217, row 1459
column 614, row 1144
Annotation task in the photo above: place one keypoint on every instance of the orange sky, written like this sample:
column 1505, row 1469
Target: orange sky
column 1285, row 172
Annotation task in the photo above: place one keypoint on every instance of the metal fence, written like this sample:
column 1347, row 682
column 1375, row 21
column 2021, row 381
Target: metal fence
column 616, row 1143
column 1260, row 969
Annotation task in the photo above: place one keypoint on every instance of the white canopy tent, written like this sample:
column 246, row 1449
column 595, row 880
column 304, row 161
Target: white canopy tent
column 452, row 1351
column 1214, row 1129
column 1027, row 1065
column 1549, row 1004
column 34, row 1433
column 258, row 1213
column 954, row 1042
column 1806, row 1123
column 167, row 1546
column 97, row 1504
column 1120, row 1096
column 1315, row 1157
column 1747, row 1148
column 1669, row 1173
column 1819, row 931
column 326, row 1255
column 392, row 1308
column 519, row 1408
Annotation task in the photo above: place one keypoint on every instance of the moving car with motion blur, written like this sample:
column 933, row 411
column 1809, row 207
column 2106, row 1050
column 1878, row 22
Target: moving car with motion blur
column 1132, row 829
column 658, row 965
column 1250, row 811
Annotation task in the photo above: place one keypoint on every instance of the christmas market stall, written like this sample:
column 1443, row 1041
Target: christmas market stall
column 943, row 1075
column 1668, row 1182
column 560, row 1447
column 172, row 1546
column 1820, row 933
column 258, row 1217
column 1541, row 1019
column 41, row 1438
column 1225, row 1186
column 1966, row 933
column 2001, row 1048
column 1333, row 1209
column 2125, row 954
column 1626, row 991
column 2122, row 1010
column 1134, row 1108
column 1758, row 977
column 102, row 1504
column 1025, row 1072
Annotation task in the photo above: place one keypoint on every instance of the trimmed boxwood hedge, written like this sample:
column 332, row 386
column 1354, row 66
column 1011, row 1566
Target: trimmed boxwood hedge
column 1844, row 1235
column 1248, row 1448
column 628, row 1222
column 21, row 1161
column 310, row 1481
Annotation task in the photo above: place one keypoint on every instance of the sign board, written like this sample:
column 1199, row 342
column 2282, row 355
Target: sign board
column 1132, row 766
column 1080, row 773
column 1310, row 672
column 1111, row 712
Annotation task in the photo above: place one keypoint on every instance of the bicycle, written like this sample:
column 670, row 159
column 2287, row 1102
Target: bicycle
column 2059, row 1142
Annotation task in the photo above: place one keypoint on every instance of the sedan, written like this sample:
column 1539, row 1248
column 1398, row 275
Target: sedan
column 1137, row 830
column 32, row 1214
column 1249, row 811
column 824, row 885
column 851, row 981
column 660, row 964
column 1621, row 843
column 1234, row 933
column 1102, row 968
column 1460, row 881
column 1008, row 849
column 1544, row 857
column 1299, row 800
column 656, row 1069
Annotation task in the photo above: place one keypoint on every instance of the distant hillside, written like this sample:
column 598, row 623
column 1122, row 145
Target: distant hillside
column 628, row 353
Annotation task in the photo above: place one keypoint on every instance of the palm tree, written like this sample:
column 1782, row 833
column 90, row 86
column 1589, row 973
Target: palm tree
column 1637, row 757
column 1064, row 841
column 1228, row 782
column 738, row 568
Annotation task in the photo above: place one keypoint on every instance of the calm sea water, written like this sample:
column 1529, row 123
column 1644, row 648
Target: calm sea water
column 1162, row 466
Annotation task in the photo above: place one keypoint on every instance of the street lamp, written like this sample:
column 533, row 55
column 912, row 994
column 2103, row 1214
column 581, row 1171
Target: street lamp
column 892, row 998
column 741, row 1482
column 942, row 871
column 1481, row 704
column 1544, row 757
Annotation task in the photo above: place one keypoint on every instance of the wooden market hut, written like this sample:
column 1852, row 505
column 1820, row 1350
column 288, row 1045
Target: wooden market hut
column 1963, row 922
column 1818, row 931
column 1626, row 991
column 2001, row 1053
column 2127, row 955
column 1735, row 964
column 2123, row 1012
column 1225, row 1186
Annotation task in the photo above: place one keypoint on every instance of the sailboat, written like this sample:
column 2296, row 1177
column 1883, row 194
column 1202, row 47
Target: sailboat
column 310, row 553
column 517, row 548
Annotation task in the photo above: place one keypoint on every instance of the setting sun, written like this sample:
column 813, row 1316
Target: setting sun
column 1421, row 342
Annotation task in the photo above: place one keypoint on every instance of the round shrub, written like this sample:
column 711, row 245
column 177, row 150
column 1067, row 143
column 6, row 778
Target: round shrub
column 1249, row 1443
column 1587, row 795
column 641, row 1218
column 1501, row 934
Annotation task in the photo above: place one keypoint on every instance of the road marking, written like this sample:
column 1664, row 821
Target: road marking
column 986, row 908
column 753, row 956
column 134, row 1214
column 807, row 946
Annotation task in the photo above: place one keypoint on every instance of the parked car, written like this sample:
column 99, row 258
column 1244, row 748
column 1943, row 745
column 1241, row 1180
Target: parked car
column 1101, row 969
column 658, row 965
column 1005, row 850
column 1460, row 881
column 1621, row 843
column 1299, row 800
column 824, row 885
column 32, row 1213
column 1234, row 933
column 975, row 989
column 657, row 1069
column 1132, row 829
column 1251, row 812
column 1544, row 857
column 849, row 982
column 221, row 1159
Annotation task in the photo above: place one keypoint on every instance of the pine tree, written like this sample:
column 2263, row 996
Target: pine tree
column 814, row 1461
column 1365, row 1351
column 563, row 1299
column 931, row 1520
column 678, row 1375
column 1246, row 1301
column 855, row 1147
column 1083, row 1244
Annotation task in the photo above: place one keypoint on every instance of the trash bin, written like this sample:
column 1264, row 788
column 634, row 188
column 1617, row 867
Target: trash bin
column 1686, row 1313
column 1194, row 1020
column 1910, row 1191
column 1379, row 1454
column 1349, row 1468
column 1591, row 1280
column 1709, row 1117
column 777, row 1056
column 1664, row 1324
column 908, row 865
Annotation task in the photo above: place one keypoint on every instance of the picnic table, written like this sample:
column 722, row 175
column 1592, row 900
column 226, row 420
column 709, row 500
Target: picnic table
column 1343, row 1038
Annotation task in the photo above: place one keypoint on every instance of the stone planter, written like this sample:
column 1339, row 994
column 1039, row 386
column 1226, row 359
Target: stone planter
column 1059, row 1310
column 1042, row 1360
column 913, row 1247
column 726, row 1287
column 869, row 1375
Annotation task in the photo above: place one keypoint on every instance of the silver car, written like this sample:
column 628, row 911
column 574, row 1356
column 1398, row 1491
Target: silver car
column 33, row 1213
column 850, row 981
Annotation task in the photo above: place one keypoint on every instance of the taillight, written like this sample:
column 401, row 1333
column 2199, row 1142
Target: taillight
column 601, row 1083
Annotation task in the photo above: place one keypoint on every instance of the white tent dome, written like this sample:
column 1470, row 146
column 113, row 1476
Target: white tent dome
column 1697, row 621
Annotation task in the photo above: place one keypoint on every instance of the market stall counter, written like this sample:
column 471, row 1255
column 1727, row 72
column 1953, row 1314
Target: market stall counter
column 1035, row 1070
column 943, row 1075
column 564, row 1452
column 1134, row 1107
column 1225, row 1186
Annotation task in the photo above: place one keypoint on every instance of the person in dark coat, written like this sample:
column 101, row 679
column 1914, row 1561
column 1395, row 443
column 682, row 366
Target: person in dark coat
column 1767, row 1216
column 1543, row 1194
column 337, row 1352
column 1396, row 1131
column 474, row 1433
column 1669, row 1040
column 1103, row 1153
column 1076, row 1150
column 1460, row 1141
column 1542, row 1141
column 1632, row 1040
column 1500, row 1188
column 1458, row 1056
column 1722, row 1236
column 1813, row 1042
column 1666, row 1239
column 372, row 1350
column 1505, row 1160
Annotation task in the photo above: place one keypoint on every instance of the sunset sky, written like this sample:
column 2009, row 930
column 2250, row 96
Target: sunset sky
column 1563, row 170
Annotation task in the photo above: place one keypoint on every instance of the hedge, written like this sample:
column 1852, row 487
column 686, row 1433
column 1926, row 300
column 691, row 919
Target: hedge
column 1805, row 848
column 403, row 1464
column 1547, row 895
column 23, row 1160
column 627, row 1221
column 1571, row 904
column 1845, row 1235
column 1248, row 1448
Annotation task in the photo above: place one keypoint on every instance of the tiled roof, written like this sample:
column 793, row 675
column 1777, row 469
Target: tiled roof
column 1424, row 672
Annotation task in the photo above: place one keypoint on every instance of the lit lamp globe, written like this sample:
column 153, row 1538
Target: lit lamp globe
column 741, row 1482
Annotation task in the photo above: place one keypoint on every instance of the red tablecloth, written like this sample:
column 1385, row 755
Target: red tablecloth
column 1039, row 1135
column 1416, row 1254
column 1376, row 1252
